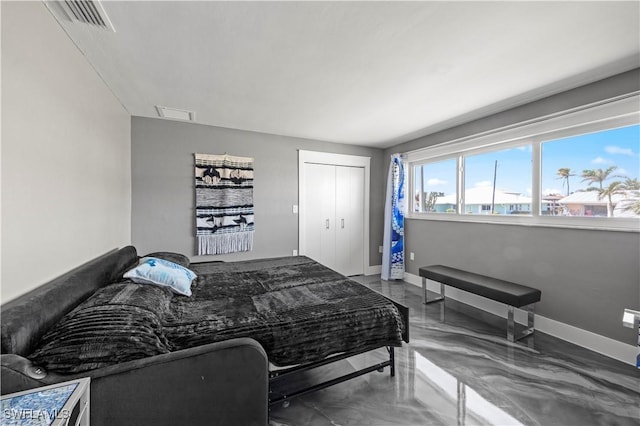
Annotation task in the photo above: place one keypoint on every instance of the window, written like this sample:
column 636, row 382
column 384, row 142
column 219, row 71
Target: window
column 576, row 169
column 592, row 175
column 435, row 191
column 498, row 181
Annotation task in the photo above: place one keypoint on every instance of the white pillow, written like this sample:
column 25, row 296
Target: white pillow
column 152, row 270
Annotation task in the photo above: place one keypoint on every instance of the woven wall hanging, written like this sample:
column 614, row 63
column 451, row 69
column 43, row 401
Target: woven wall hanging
column 224, row 203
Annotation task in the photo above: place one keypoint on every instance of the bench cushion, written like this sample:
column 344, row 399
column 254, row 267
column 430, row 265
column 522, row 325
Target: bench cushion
column 502, row 291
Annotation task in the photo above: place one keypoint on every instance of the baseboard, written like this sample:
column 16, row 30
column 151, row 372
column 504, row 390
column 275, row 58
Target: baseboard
column 587, row 339
column 373, row 270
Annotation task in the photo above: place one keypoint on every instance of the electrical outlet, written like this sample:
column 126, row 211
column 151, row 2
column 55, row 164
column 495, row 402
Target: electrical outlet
column 412, row 256
column 379, row 249
column 295, row 209
column 295, row 252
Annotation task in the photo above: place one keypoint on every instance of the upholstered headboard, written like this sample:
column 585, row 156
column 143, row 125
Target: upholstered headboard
column 24, row 320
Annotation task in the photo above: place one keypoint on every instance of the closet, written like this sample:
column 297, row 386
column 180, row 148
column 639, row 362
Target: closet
column 333, row 223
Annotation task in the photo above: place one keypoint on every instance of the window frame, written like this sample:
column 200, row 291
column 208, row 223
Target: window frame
column 612, row 113
column 435, row 160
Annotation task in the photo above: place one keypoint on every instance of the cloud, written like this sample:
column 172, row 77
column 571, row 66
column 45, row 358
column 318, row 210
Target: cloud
column 612, row 149
column 483, row 184
column 600, row 160
column 435, row 182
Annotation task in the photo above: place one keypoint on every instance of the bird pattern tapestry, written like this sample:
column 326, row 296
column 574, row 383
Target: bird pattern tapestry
column 224, row 203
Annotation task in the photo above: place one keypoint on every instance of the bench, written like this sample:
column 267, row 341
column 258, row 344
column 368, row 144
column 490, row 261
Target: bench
column 512, row 294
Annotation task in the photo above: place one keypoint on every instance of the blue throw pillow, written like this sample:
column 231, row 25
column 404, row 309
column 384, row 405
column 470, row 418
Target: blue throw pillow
column 152, row 270
column 177, row 258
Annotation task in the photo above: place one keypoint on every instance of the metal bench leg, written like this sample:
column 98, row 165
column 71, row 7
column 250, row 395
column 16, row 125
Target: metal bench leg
column 424, row 289
column 530, row 325
column 511, row 324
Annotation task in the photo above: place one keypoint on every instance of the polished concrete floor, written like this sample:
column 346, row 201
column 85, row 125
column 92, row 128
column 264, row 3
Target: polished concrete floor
column 459, row 369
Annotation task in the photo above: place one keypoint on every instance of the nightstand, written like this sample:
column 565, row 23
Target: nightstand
column 65, row 403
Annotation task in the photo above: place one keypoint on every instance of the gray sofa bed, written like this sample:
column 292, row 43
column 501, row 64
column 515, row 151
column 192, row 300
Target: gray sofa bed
column 217, row 357
column 223, row 383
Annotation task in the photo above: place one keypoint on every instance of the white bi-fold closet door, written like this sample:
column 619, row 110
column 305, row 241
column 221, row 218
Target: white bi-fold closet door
column 333, row 216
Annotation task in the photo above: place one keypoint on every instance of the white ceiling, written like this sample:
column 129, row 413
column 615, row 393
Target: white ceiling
column 366, row 73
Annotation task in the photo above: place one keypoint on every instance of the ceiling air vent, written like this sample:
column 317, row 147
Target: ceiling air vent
column 87, row 11
column 175, row 114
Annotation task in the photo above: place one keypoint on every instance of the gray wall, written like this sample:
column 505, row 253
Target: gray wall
column 66, row 150
column 163, row 190
column 587, row 277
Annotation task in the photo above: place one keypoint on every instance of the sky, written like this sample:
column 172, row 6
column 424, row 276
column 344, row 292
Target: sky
column 619, row 147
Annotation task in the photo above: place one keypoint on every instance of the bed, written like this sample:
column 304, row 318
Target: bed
column 304, row 315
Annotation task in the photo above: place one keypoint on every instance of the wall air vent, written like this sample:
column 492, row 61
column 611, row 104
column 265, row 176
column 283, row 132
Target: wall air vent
column 90, row 12
column 176, row 114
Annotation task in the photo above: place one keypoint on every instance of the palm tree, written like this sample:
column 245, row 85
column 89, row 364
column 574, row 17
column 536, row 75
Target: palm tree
column 598, row 176
column 614, row 188
column 565, row 173
column 632, row 187
column 634, row 207
column 632, row 184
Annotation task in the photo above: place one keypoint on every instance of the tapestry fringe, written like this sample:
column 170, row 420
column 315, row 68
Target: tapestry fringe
column 225, row 243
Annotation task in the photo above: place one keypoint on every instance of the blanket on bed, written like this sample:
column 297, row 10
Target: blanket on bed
column 120, row 322
column 297, row 309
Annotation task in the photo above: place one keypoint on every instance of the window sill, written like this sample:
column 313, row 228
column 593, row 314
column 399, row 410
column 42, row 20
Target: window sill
column 584, row 223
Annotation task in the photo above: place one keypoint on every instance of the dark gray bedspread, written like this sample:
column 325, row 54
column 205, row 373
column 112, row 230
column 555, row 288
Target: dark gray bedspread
column 297, row 309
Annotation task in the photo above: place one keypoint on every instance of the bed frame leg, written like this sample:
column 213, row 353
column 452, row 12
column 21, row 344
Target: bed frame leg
column 392, row 360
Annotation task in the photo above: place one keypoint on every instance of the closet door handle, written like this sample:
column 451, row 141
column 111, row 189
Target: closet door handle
column 342, row 223
column 327, row 224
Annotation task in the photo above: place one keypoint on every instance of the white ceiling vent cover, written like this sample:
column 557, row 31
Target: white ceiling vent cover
column 87, row 11
column 176, row 114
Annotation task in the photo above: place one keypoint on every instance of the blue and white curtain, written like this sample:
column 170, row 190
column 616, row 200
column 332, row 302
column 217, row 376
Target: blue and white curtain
column 393, row 242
